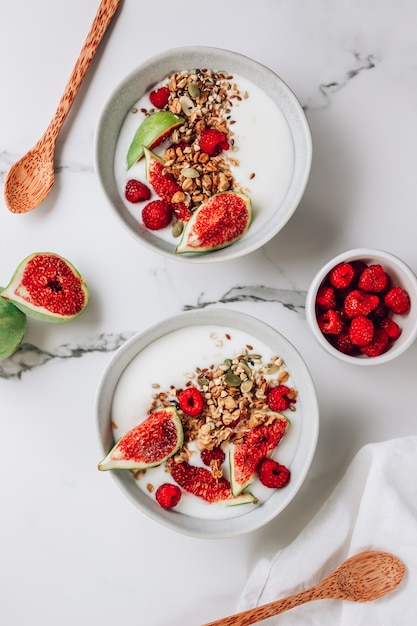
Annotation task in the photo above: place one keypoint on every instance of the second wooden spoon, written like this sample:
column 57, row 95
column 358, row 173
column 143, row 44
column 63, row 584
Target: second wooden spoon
column 31, row 178
column 366, row 576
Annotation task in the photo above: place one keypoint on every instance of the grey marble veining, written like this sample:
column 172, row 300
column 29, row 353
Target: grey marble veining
column 362, row 63
column 29, row 356
column 290, row 299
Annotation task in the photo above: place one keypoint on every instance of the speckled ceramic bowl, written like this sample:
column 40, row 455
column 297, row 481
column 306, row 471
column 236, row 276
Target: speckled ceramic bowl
column 275, row 126
column 153, row 357
column 401, row 275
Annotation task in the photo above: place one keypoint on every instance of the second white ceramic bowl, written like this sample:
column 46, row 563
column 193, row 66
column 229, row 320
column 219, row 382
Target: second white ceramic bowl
column 401, row 276
column 125, row 387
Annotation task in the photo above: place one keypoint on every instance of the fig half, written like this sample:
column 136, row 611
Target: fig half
column 48, row 287
column 218, row 222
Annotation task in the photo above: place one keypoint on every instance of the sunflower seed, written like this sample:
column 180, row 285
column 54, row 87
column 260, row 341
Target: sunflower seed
column 187, row 105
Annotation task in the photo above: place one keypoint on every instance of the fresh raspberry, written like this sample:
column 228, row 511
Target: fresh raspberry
column 373, row 278
column 136, row 191
column 216, row 454
column 341, row 275
column 159, row 97
column 168, row 495
column 182, row 211
column 361, row 331
column 357, row 302
column 190, row 401
column 278, row 399
column 326, row 298
column 391, row 328
column 272, row 474
column 343, row 343
column 330, row 322
column 378, row 344
column 398, row 300
column 212, row 141
column 157, row 214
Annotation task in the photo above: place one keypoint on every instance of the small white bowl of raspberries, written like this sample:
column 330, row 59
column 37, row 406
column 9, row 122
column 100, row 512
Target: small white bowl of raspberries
column 362, row 306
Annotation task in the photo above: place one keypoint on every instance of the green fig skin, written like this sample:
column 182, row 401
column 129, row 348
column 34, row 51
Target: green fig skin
column 36, row 310
column 151, row 132
column 243, row 498
column 12, row 328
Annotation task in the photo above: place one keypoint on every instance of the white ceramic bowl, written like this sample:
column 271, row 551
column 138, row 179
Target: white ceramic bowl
column 292, row 168
column 401, row 275
column 126, row 388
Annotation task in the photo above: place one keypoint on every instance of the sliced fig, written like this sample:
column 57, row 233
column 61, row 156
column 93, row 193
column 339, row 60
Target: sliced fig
column 149, row 444
column 48, row 287
column 218, row 222
column 12, row 328
column 258, row 442
column 201, row 483
column 163, row 183
column 153, row 130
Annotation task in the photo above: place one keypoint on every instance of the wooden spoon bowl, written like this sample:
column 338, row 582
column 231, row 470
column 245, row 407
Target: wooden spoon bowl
column 31, row 178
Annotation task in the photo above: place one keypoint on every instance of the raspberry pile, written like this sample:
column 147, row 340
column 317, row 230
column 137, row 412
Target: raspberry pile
column 354, row 308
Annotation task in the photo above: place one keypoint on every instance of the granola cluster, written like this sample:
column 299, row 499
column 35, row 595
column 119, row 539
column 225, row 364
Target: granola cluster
column 235, row 400
column 204, row 99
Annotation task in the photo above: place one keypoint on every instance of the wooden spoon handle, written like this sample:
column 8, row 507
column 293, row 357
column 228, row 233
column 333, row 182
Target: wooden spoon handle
column 259, row 613
column 101, row 22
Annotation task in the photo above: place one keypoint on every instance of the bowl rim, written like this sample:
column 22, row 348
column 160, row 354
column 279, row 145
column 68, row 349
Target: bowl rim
column 306, row 445
column 165, row 63
column 372, row 255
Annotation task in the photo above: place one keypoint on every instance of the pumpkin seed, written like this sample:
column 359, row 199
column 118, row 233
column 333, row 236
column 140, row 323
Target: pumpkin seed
column 203, row 381
column 177, row 228
column 246, row 386
column 194, row 91
column 270, row 368
column 190, row 172
column 243, row 364
column 228, row 363
column 231, row 379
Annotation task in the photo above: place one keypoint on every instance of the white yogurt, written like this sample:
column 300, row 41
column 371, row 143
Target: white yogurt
column 166, row 362
column 263, row 143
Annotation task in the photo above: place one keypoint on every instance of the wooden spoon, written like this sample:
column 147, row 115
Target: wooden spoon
column 365, row 576
column 31, row 178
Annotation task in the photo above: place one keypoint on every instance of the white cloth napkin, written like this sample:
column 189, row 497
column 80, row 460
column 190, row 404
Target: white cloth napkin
column 373, row 507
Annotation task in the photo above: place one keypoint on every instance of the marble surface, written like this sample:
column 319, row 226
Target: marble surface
column 72, row 548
